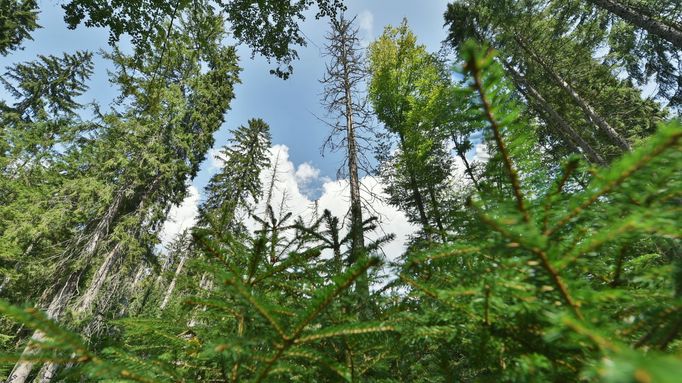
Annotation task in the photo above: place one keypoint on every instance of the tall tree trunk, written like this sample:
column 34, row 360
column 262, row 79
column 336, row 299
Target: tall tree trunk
column 23, row 367
column 205, row 284
column 671, row 33
column 87, row 299
column 84, row 304
column 357, row 250
column 561, row 125
column 591, row 114
column 171, row 286
column 49, row 370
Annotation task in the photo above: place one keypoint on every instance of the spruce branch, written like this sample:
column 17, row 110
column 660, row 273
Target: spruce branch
column 619, row 172
column 475, row 66
column 537, row 250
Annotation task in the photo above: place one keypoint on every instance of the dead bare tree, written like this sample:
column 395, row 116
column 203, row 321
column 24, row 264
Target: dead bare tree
column 346, row 106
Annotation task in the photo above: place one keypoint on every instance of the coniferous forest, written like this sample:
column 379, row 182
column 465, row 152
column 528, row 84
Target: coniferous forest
column 552, row 255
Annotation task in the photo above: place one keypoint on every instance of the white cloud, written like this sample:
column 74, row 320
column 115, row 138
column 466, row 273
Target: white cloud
column 294, row 187
column 306, row 173
column 308, row 179
column 335, row 196
column 214, row 158
column 181, row 217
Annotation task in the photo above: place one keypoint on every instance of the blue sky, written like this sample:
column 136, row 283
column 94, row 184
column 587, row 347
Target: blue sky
column 290, row 107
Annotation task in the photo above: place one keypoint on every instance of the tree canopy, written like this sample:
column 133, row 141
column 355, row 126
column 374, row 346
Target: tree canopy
column 543, row 187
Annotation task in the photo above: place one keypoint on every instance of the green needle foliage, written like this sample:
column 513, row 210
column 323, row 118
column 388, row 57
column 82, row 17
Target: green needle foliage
column 17, row 20
column 553, row 255
column 552, row 286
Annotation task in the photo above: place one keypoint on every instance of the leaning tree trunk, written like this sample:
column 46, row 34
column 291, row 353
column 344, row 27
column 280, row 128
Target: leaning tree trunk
column 206, row 284
column 591, row 114
column 561, row 125
column 49, row 369
column 23, row 367
column 671, row 33
column 89, row 297
column 171, row 286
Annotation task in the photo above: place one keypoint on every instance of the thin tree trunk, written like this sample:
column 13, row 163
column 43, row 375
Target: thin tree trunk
column 87, row 299
column 49, row 369
column 564, row 128
column 467, row 166
column 416, row 193
column 671, row 33
column 171, row 286
column 436, row 214
column 591, row 114
column 205, row 284
column 357, row 251
column 167, row 263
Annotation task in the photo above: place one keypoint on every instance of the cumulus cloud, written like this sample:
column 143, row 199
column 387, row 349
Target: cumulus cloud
column 308, row 178
column 306, row 172
column 181, row 217
column 290, row 192
column 293, row 192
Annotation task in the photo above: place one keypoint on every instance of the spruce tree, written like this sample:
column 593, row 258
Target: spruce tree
column 147, row 171
column 18, row 18
column 553, row 256
column 237, row 187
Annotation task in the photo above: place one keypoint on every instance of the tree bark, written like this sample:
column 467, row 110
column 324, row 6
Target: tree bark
column 587, row 109
column 23, row 367
column 171, row 286
column 205, row 284
column 564, row 128
column 357, row 232
column 87, row 299
column 673, row 34
column 341, row 91
column 47, row 373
